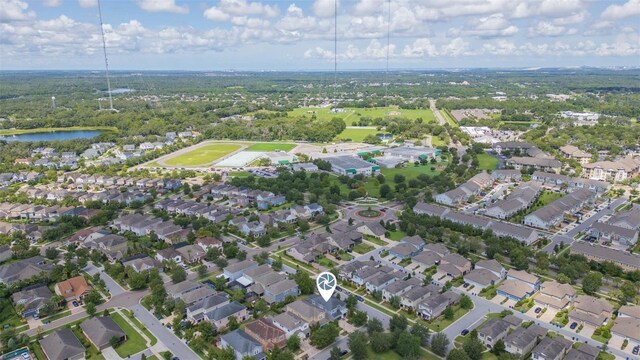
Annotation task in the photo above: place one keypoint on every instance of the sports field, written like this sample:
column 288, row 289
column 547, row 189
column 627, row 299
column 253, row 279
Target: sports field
column 202, row 155
column 270, row 147
column 357, row 135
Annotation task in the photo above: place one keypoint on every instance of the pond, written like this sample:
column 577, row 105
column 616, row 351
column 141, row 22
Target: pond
column 53, row 135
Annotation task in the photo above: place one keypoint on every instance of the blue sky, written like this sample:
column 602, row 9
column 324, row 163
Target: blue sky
column 288, row 35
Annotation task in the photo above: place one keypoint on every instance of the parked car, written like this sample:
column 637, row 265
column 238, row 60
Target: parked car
column 573, row 325
column 359, row 298
column 75, row 304
column 538, row 309
column 26, row 356
column 464, row 332
column 636, row 350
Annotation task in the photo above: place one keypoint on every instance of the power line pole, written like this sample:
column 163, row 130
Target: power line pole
column 104, row 50
column 335, row 51
column 386, row 73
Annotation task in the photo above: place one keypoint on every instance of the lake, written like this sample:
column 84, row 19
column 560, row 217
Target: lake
column 53, row 135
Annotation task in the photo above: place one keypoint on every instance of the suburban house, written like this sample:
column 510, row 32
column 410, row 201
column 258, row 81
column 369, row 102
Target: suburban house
column 627, row 325
column 522, row 340
column 114, row 247
column 291, row 325
column 409, row 246
column 627, row 261
column 537, row 163
column 196, row 311
column 410, row 300
column 279, row 291
column 555, row 295
column 519, row 199
column 307, row 312
column 62, row 345
column 454, row 265
column 434, row 306
column 590, row 310
column 572, row 152
column 234, row 271
column 518, row 285
column 551, row 349
column 334, row 308
column 100, row 330
column 486, row 273
column 492, row 331
column 465, row 191
column 24, row 269
column 220, row 316
column 267, row 334
column 140, row 264
column 614, row 171
column 73, row 289
column 583, row 352
column 552, row 214
column 31, row 300
column 613, row 233
column 242, row 344
column 399, row 287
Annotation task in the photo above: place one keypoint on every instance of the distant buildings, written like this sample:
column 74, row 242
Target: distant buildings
column 614, row 171
column 465, row 191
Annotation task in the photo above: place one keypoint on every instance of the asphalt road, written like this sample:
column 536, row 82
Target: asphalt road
column 568, row 238
column 164, row 335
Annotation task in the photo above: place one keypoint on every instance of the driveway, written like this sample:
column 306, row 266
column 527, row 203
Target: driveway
column 547, row 316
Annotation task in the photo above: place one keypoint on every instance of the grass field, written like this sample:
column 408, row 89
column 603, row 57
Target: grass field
column 203, row 155
column 357, row 135
column 487, row 162
column 353, row 114
column 134, row 343
column 70, row 128
column 362, row 248
column 271, row 147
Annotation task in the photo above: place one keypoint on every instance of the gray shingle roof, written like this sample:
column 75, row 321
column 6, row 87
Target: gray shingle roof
column 61, row 344
column 101, row 329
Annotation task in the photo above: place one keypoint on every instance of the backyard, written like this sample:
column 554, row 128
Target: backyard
column 134, row 343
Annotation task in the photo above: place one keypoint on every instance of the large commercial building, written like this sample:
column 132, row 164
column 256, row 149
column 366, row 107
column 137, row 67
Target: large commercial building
column 351, row 165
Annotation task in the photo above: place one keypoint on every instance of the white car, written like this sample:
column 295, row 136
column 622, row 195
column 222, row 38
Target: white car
column 26, row 356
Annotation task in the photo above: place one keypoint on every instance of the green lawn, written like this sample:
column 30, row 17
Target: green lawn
column 37, row 350
column 375, row 240
column 146, row 331
column 326, row 262
column 56, row 129
column 351, row 115
column 203, row 155
column 412, row 171
column 441, row 323
column 8, row 315
column 271, row 147
column 487, row 162
column 357, row 135
column 397, row 235
column 134, row 343
column 59, row 315
column 362, row 248
column 389, row 355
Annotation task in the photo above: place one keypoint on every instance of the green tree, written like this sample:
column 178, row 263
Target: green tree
column 439, row 344
column 474, row 348
column 408, row 346
column 233, row 323
column 293, row 343
column 465, row 302
column 498, row 347
column 202, row 271
column 448, row 313
column 592, row 283
column 380, row 342
column 457, row 354
column 422, row 332
column 91, row 309
column 374, row 326
column 335, row 351
column 358, row 345
column 628, row 291
column 351, row 302
column 178, row 274
column 358, row 318
column 398, row 323
column 322, row 337
column 305, row 283
column 114, row 341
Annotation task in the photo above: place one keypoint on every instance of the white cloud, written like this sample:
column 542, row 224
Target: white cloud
column 88, row 3
column 369, row 7
column 544, row 28
column 455, row 47
column 420, row 48
column 52, row 3
column 491, row 26
column 169, row 6
column 501, row 47
column 227, row 9
column 615, row 12
column 324, row 8
column 624, row 45
column 15, row 10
